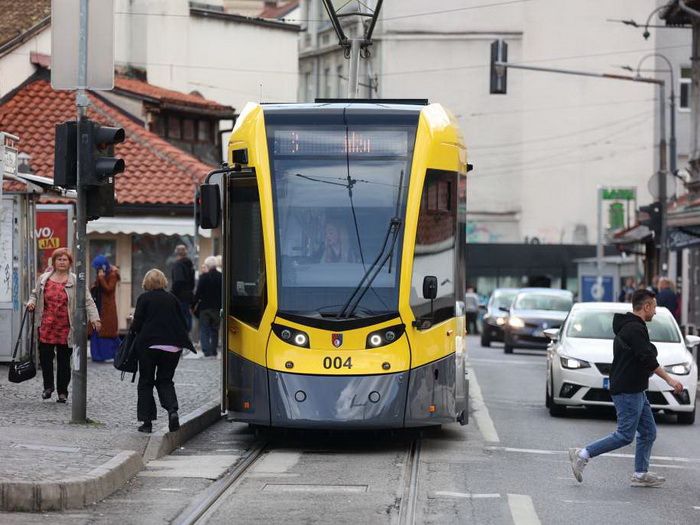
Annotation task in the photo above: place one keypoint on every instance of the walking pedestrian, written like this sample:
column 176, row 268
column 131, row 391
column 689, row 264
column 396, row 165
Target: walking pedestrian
column 161, row 336
column 103, row 344
column 634, row 360
column 471, row 310
column 207, row 301
column 627, row 291
column 667, row 296
column 183, row 282
column 53, row 299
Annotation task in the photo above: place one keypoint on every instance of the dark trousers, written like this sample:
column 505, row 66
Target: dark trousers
column 185, row 307
column 46, row 355
column 209, row 322
column 156, row 368
column 472, row 322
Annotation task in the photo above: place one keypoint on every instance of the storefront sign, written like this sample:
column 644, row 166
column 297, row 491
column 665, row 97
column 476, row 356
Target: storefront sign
column 679, row 238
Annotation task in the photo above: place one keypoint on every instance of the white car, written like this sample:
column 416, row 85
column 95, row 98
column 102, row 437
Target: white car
column 581, row 353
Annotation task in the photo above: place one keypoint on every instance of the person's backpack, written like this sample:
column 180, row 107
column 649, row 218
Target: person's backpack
column 126, row 359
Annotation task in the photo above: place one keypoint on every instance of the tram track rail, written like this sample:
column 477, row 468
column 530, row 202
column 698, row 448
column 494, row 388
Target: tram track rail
column 409, row 498
column 207, row 500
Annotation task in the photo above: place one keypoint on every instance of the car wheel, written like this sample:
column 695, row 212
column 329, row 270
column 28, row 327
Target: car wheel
column 508, row 349
column 485, row 341
column 555, row 410
column 686, row 418
column 547, row 396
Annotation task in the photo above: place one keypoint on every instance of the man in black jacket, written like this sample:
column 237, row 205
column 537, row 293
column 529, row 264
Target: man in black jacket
column 182, row 277
column 207, row 300
column 634, row 361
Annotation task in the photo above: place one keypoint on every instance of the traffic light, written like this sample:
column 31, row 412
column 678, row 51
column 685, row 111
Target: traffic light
column 499, row 74
column 65, row 155
column 99, row 165
column 650, row 216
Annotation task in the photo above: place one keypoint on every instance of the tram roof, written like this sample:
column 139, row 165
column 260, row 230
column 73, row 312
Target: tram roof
column 393, row 105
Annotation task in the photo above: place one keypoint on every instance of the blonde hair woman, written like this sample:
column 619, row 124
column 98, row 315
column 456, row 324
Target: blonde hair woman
column 53, row 299
column 161, row 336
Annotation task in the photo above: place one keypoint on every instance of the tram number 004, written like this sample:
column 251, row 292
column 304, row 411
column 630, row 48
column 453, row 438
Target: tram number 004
column 336, row 363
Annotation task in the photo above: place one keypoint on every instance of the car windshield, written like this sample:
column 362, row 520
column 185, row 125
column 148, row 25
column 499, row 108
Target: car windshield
column 552, row 302
column 503, row 299
column 598, row 325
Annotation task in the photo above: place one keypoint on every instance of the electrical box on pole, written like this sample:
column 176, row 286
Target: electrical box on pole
column 499, row 73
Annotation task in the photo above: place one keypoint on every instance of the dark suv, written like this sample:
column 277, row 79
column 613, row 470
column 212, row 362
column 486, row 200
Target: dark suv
column 496, row 315
column 533, row 311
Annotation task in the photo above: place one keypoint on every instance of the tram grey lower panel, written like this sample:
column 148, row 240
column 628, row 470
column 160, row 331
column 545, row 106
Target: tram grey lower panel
column 432, row 385
column 337, row 401
column 247, row 383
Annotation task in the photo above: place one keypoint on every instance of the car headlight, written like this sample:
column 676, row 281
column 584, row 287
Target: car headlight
column 574, row 364
column 487, row 315
column 516, row 322
column 681, row 369
column 501, row 321
column 291, row 336
column 384, row 336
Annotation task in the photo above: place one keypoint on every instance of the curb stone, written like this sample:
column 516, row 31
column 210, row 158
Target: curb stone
column 102, row 481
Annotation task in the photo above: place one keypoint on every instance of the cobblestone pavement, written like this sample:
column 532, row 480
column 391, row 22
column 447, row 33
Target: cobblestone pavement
column 38, row 442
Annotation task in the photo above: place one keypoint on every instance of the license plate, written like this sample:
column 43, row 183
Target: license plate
column 606, row 383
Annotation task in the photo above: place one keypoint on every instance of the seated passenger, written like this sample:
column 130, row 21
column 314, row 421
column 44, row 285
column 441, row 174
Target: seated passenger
column 336, row 246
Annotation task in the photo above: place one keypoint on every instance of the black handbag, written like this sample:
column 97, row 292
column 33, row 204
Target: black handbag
column 23, row 369
column 126, row 359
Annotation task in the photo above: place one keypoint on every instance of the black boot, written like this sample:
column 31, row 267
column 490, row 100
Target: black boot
column 146, row 428
column 173, row 421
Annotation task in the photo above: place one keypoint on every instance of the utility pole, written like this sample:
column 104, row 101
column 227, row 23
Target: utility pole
column 355, row 48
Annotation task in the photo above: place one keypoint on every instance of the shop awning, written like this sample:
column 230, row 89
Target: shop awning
column 145, row 226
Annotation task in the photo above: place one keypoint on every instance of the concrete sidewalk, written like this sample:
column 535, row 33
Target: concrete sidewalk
column 47, row 463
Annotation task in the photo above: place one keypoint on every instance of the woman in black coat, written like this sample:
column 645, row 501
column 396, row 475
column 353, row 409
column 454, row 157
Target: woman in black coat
column 162, row 334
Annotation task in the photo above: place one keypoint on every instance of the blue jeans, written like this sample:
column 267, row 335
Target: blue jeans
column 209, row 322
column 634, row 417
column 185, row 307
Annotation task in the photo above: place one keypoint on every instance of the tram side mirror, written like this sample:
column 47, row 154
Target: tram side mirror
column 430, row 286
column 209, row 206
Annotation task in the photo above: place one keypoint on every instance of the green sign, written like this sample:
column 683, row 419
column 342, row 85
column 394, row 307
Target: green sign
column 618, row 194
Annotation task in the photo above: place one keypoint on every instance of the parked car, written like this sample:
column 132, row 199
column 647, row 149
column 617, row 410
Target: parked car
column 580, row 357
column 533, row 311
column 496, row 315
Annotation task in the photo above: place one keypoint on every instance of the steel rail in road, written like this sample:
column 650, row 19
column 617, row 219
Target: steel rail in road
column 409, row 499
column 206, row 500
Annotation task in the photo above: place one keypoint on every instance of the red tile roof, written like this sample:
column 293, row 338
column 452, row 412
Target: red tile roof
column 156, row 171
column 138, row 87
column 17, row 18
column 280, row 10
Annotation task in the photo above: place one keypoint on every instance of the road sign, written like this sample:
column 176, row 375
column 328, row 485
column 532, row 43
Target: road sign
column 65, row 44
column 592, row 291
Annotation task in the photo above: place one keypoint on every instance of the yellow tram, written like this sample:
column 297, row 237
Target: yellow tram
column 343, row 235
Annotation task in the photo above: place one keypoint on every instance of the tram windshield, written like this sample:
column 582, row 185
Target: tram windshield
column 335, row 192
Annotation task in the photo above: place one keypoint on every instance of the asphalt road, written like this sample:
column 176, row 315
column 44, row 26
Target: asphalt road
column 508, row 466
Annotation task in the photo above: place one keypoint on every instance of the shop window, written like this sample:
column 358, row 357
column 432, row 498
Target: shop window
column 154, row 251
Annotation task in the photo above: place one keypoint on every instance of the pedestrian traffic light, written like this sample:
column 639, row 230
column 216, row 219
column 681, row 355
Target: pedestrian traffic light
column 650, row 216
column 499, row 73
column 97, row 153
column 65, row 154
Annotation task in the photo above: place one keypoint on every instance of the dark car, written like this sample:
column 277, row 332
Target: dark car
column 496, row 315
column 533, row 311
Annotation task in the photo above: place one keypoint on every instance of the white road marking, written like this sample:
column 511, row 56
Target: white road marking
column 696, row 508
column 522, row 509
column 609, row 454
column 481, row 413
column 467, row 495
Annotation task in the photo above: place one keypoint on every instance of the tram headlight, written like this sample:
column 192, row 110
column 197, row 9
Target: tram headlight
column 384, row 336
column 291, row 335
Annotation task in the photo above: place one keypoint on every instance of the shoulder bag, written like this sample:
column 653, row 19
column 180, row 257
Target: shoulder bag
column 126, row 359
column 23, row 369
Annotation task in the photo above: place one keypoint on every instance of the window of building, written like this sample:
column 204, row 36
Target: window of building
column 157, row 125
column 685, row 80
column 154, row 251
column 204, row 131
column 174, row 125
column 188, row 129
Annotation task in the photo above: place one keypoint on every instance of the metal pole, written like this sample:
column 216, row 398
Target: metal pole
column 598, row 296
column 672, row 142
column 354, row 78
column 663, row 174
column 79, row 404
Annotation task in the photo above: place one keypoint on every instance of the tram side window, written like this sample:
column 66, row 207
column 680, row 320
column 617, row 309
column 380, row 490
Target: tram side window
column 435, row 245
column 248, row 291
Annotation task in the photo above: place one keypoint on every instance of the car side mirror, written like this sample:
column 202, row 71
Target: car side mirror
column 552, row 333
column 691, row 341
column 504, row 308
column 209, row 206
column 430, row 286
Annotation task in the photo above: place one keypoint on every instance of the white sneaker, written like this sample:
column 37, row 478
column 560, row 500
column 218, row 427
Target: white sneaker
column 577, row 463
column 649, row 479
